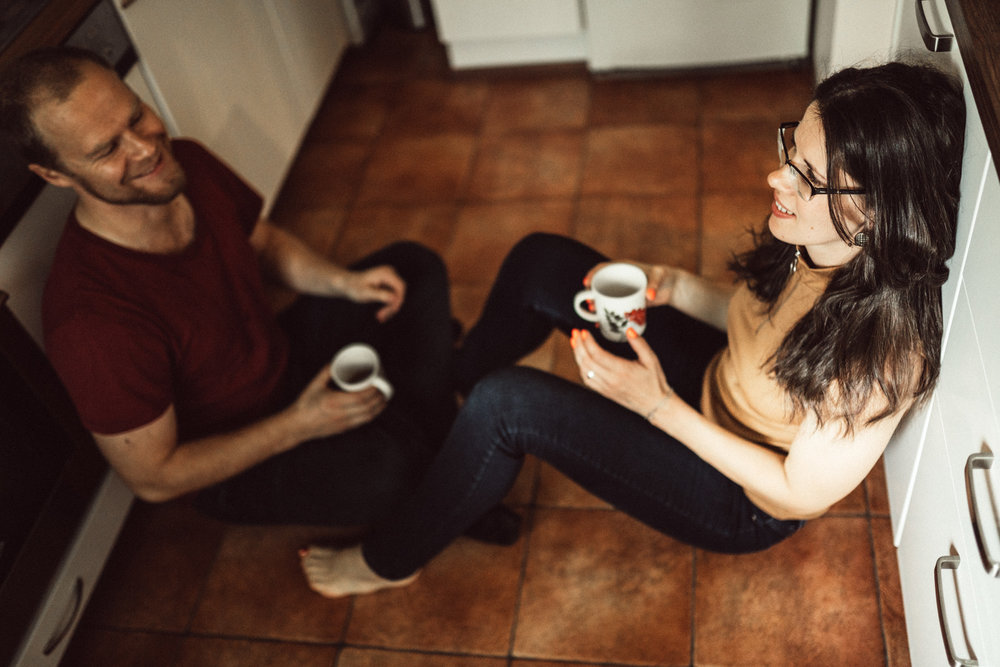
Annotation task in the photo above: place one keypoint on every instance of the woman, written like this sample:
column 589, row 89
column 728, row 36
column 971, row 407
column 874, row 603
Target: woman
column 832, row 335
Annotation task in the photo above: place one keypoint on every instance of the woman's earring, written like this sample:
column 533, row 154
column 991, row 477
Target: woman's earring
column 860, row 239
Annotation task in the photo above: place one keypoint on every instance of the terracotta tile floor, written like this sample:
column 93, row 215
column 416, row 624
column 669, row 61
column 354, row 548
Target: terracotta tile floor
column 669, row 169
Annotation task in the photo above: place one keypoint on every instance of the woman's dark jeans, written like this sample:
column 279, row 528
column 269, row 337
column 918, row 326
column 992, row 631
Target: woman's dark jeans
column 356, row 478
column 608, row 450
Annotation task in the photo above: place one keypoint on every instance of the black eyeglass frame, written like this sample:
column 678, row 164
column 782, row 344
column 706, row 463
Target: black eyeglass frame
column 783, row 154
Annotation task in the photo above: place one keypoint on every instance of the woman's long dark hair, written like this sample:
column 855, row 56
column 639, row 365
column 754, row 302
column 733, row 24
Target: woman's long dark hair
column 898, row 131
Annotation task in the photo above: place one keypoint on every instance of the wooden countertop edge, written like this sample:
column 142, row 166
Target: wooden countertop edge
column 52, row 25
column 977, row 30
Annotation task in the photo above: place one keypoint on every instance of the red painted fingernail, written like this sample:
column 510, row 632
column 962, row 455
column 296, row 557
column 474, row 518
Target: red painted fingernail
column 630, row 333
column 650, row 294
column 303, row 553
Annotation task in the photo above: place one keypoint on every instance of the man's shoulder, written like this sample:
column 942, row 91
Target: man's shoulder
column 210, row 176
column 190, row 151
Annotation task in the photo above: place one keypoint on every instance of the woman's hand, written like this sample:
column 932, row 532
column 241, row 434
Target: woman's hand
column 660, row 280
column 380, row 283
column 639, row 385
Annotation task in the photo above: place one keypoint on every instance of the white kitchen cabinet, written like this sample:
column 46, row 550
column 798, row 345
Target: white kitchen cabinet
column 488, row 33
column 242, row 76
column 931, row 484
column 658, row 34
column 962, row 425
column 918, row 553
column 947, row 492
column 622, row 34
column 902, row 454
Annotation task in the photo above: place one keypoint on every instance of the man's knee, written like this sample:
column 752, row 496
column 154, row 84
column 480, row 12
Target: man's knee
column 416, row 259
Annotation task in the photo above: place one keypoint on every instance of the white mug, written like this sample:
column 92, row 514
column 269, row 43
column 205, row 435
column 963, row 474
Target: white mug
column 618, row 292
column 357, row 367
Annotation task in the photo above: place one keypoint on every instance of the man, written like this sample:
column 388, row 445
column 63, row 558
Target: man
column 155, row 318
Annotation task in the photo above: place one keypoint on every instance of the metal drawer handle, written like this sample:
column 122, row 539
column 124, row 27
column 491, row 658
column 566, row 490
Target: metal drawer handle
column 982, row 461
column 948, row 563
column 933, row 42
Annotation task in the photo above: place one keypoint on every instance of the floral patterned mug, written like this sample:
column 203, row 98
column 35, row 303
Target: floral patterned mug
column 618, row 295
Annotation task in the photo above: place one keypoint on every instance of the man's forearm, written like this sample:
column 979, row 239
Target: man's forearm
column 158, row 469
column 294, row 264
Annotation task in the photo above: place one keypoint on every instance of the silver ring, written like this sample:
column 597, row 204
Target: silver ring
column 590, row 375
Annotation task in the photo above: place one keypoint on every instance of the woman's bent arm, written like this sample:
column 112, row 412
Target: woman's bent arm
column 823, row 465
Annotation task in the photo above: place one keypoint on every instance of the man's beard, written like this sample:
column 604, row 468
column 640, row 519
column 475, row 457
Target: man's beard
column 128, row 196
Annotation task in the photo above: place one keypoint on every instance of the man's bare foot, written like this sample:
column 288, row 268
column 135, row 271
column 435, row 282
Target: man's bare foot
column 336, row 573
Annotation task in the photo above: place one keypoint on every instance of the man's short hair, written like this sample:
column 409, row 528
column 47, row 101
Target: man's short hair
column 39, row 76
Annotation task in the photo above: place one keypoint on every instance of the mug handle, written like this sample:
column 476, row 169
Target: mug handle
column 578, row 302
column 383, row 386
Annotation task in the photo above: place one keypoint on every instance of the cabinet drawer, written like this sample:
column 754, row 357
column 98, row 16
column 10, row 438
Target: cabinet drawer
column 51, row 631
column 483, row 20
column 625, row 34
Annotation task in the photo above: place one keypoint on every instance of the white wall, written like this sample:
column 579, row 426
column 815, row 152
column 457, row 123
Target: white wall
column 244, row 77
column 852, row 32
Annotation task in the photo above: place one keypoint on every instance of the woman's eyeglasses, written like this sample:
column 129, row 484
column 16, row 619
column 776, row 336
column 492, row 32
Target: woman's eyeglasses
column 806, row 189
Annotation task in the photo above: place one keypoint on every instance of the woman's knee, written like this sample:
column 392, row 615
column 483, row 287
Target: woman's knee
column 545, row 248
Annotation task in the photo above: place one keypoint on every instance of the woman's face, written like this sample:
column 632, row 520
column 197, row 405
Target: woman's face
column 808, row 223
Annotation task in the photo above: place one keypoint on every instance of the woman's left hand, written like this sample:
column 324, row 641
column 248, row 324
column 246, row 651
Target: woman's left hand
column 637, row 385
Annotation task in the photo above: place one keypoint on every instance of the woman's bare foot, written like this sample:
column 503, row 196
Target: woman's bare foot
column 337, row 573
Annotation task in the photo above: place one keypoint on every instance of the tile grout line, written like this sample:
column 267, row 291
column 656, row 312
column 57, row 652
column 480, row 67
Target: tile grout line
column 529, row 525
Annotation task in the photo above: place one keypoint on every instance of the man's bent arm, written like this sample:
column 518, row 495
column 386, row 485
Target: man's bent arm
column 158, row 468
column 296, row 265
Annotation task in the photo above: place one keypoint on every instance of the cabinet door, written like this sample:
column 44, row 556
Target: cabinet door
column 695, row 33
column 982, row 432
column 909, row 45
column 484, row 20
column 487, row 33
column 980, row 276
column 938, row 521
column 902, row 455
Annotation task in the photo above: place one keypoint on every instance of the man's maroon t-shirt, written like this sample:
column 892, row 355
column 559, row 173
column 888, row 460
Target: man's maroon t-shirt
column 131, row 333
